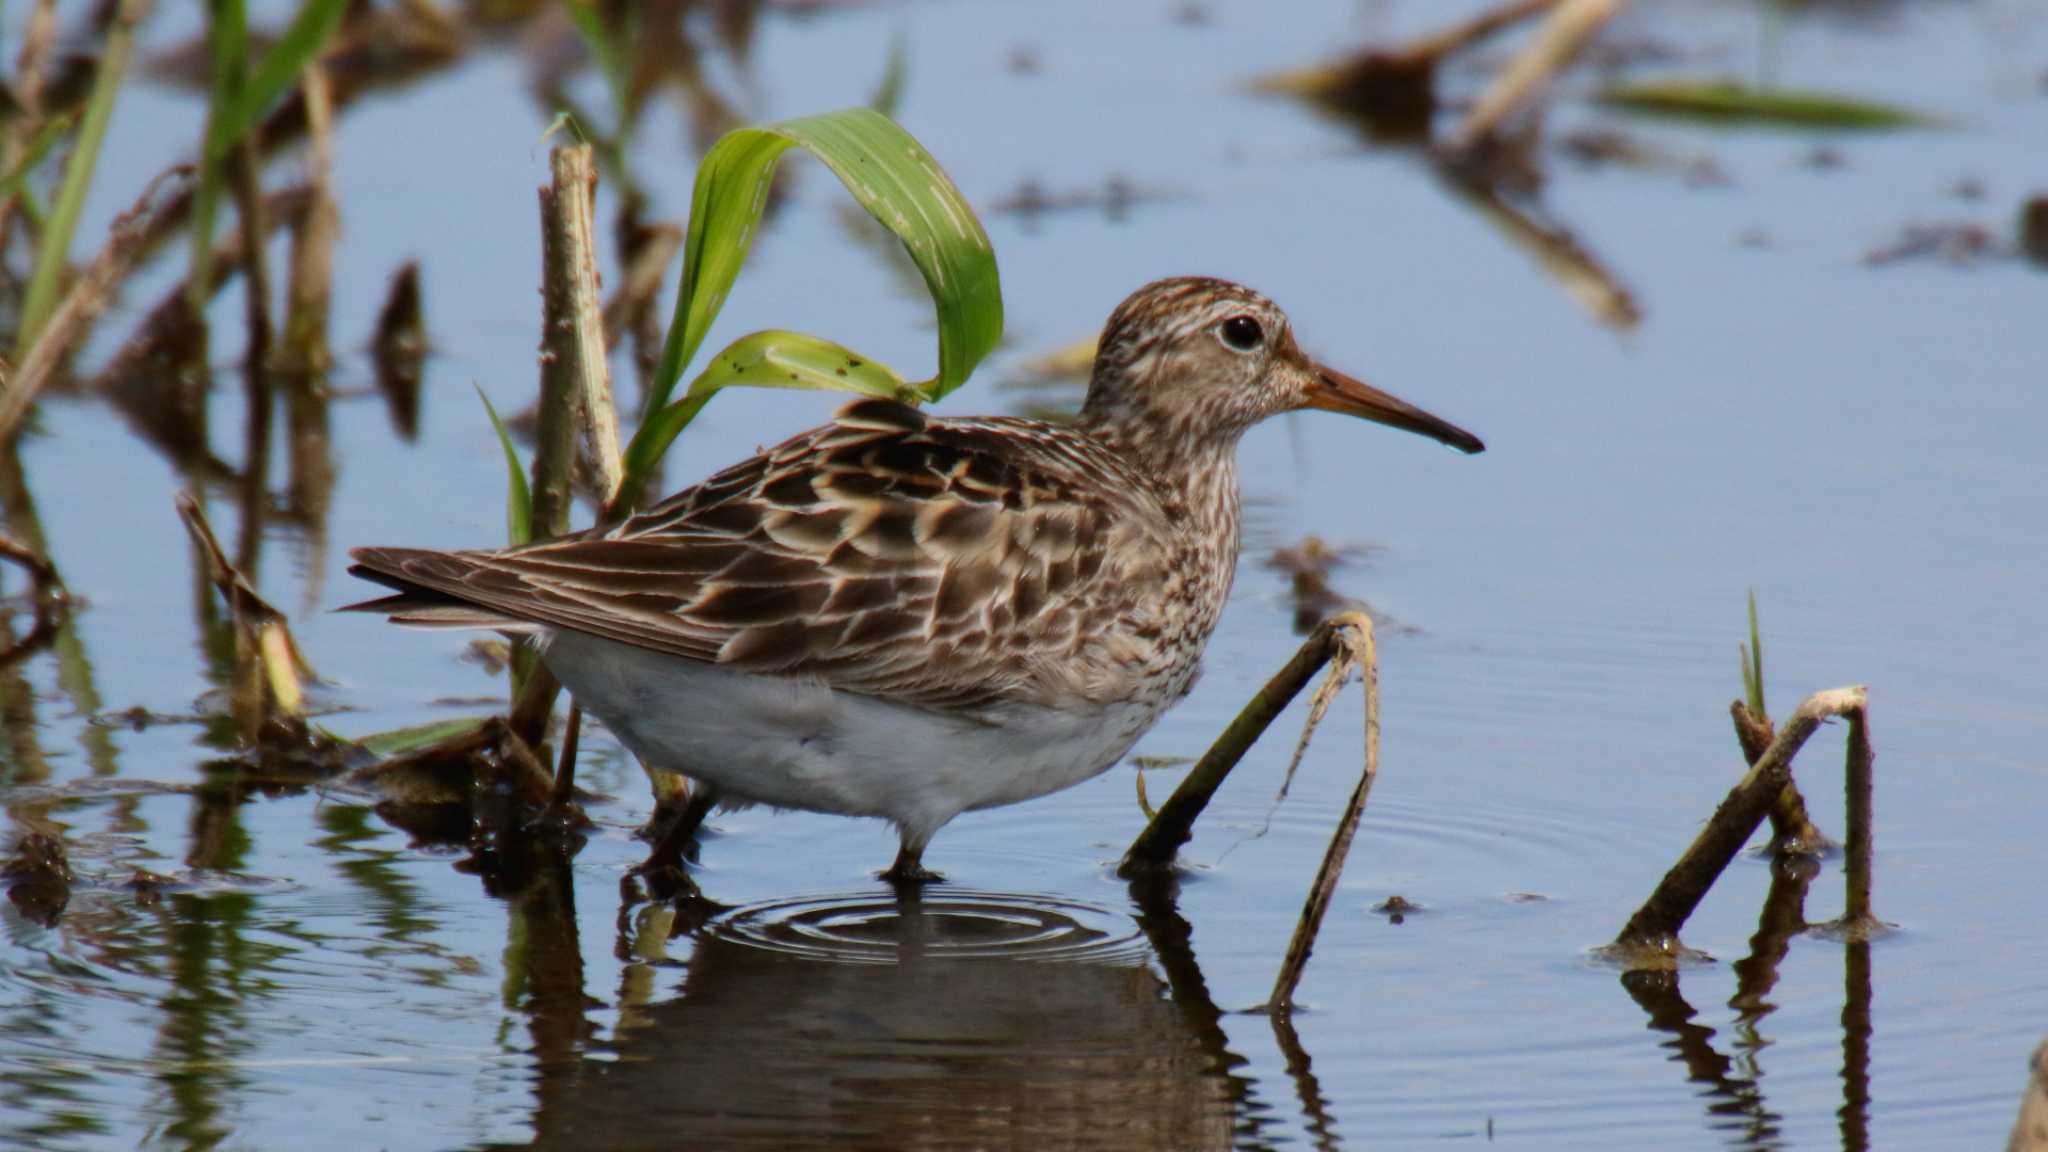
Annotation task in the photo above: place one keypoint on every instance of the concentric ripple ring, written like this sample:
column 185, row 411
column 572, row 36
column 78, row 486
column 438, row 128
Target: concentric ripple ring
column 875, row 928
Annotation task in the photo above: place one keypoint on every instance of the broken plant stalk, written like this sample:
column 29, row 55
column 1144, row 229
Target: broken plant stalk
column 575, row 393
column 1651, row 935
column 263, row 636
column 1570, row 26
column 89, row 296
column 1354, row 636
column 310, row 286
column 1173, row 825
column 1392, row 82
column 1793, row 832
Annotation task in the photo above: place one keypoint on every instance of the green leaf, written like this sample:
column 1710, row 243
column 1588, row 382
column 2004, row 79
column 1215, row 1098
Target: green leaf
column 518, row 499
column 778, row 359
column 239, row 100
column 227, row 44
column 1731, row 103
column 896, row 181
column 401, row 740
column 277, row 72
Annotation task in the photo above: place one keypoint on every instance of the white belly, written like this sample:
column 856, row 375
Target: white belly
column 800, row 744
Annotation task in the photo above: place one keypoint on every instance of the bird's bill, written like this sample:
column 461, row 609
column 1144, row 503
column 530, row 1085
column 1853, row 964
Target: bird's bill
column 1333, row 391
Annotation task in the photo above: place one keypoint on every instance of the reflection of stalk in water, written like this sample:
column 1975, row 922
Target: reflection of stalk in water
column 1315, row 1107
column 1157, row 897
column 1856, row 1031
column 1692, row 1044
column 1782, row 918
column 305, row 359
column 394, row 903
column 544, row 956
column 74, row 668
column 203, row 1029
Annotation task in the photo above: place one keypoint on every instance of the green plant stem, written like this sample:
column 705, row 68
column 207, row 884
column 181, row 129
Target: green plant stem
column 53, row 254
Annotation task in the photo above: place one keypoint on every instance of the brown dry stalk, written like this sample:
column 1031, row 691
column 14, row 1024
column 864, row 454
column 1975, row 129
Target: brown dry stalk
column 312, row 269
column 1173, row 825
column 1568, row 29
column 82, row 305
column 1469, row 32
column 1653, row 930
column 1856, row 914
column 264, row 634
column 575, row 385
column 245, row 177
column 1793, row 832
column 30, row 70
column 575, row 377
column 1356, row 652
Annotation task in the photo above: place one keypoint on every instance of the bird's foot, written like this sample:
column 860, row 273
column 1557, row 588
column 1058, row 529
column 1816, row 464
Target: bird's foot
column 914, row 877
column 909, row 871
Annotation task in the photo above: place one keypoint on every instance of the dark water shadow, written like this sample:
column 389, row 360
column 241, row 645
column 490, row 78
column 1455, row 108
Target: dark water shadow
column 878, row 1019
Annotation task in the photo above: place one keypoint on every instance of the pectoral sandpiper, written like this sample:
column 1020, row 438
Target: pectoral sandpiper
column 912, row 616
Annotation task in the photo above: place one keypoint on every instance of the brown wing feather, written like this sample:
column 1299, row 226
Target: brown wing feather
column 934, row 562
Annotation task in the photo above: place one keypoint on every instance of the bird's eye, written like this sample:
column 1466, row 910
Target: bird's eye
column 1242, row 333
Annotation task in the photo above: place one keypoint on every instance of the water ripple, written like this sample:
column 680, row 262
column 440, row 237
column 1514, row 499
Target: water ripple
column 875, row 928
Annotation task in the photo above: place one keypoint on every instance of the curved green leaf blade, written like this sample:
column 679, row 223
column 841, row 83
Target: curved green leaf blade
column 898, row 183
column 776, row 359
column 779, row 359
column 518, row 498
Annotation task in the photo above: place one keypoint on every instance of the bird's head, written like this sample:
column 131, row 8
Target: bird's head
column 1198, row 359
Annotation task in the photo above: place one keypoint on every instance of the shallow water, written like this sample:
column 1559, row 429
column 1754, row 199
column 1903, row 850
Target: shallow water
column 1855, row 443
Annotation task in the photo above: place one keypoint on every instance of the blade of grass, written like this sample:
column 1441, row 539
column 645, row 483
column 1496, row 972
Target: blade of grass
column 54, row 253
column 895, row 180
column 518, row 499
column 1753, row 666
column 278, row 72
column 227, row 43
column 1731, row 103
column 402, row 740
column 241, row 96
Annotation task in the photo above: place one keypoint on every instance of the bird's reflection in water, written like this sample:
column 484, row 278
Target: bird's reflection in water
column 952, row 1019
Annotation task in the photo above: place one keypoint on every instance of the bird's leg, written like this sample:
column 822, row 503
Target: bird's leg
column 909, row 867
column 669, row 852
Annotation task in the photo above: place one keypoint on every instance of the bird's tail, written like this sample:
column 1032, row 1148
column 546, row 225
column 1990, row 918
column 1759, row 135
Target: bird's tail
column 422, row 579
